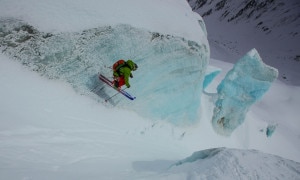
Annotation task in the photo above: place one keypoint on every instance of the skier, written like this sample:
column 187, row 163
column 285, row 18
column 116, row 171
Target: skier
column 122, row 71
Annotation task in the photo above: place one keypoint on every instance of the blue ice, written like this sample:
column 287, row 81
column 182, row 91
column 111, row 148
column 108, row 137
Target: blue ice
column 167, row 84
column 211, row 73
column 243, row 85
column 270, row 129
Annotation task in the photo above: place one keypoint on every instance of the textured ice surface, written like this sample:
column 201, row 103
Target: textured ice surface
column 167, row 84
column 243, row 85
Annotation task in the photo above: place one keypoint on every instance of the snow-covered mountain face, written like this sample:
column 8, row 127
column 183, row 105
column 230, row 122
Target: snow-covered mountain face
column 270, row 26
column 261, row 11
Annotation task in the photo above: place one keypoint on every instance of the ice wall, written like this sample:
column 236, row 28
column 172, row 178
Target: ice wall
column 243, row 85
column 167, row 84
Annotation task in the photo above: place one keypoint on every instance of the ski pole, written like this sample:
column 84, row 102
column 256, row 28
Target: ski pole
column 111, row 97
column 114, row 95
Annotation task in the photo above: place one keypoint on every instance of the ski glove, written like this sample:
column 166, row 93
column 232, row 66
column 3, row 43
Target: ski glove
column 128, row 86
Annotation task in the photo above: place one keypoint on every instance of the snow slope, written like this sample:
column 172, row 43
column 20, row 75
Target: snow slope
column 49, row 131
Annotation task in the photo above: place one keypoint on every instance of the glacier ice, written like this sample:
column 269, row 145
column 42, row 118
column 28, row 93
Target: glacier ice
column 211, row 73
column 167, row 85
column 242, row 86
column 270, row 129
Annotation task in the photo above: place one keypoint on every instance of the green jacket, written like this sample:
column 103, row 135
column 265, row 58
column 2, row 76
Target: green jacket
column 126, row 71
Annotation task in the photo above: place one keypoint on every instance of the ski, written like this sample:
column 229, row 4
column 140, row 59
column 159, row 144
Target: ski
column 110, row 83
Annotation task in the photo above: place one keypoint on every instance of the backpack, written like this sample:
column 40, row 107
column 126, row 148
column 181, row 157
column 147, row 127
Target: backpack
column 117, row 65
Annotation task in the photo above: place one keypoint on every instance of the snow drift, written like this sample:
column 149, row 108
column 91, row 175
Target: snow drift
column 224, row 163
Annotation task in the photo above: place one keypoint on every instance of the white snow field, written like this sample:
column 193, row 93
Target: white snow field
column 51, row 131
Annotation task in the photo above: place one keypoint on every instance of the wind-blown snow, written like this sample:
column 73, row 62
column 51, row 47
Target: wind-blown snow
column 245, row 84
